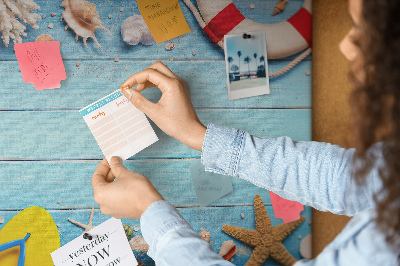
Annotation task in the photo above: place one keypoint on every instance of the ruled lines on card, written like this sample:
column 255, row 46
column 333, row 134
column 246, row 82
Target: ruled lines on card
column 119, row 128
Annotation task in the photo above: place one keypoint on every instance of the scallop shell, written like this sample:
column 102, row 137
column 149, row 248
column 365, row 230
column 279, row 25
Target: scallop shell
column 82, row 17
column 227, row 250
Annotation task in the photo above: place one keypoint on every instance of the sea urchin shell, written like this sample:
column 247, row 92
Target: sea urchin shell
column 82, row 17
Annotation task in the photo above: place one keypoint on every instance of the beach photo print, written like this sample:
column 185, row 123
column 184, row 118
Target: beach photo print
column 246, row 61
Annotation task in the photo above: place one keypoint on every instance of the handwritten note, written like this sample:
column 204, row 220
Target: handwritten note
column 164, row 18
column 118, row 126
column 284, row 209
column 209, row 186
column 108, row 246
column 41, row 64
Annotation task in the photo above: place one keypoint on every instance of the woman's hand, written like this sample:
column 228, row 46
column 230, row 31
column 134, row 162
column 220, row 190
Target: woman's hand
column 173, row 113
column 127, row 197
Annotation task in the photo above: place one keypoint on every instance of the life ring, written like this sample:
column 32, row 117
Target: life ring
column 221, row 17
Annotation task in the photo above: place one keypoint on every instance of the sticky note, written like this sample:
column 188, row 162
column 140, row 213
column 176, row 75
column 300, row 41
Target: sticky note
column 118, row 126
column 108, row 246
column 164, row 18
column 209, row 186
column 41, row 64
column 284, row 209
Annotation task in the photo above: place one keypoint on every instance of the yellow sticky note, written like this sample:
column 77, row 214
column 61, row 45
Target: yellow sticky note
column 164, row 18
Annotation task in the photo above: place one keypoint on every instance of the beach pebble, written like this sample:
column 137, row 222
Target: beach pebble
column 193, row 53
column 1, row 220
column 116, row 59
column 58, row 225
column 58, row 201
column 53, row 14
column 121, row 9
column 136, row 228
column 308, row 72
column 218, row 71
column 109, row 16
column 305, row 247
column 205, row 235
column 44, row 16
column 169, row 46
column 242, row 215
column 252, row 6
column 78, row 64
column 51, row 25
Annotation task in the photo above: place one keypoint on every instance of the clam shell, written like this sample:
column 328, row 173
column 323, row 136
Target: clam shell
column 82, row 17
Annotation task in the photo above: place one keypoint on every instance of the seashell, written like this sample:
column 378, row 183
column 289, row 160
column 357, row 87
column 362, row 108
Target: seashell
column 139, row 244
column 1, row 220
column 305, row 247
column 135, row 30
column 205, row 235
column 82, row 17
column 280, row 6
column 42, row 38
column 227, row 249
column 128, row 229
column 169, row 46
column 136, row 228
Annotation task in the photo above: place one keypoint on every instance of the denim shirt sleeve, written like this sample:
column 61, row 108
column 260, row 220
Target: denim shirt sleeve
column 171, row 239
column 313, row 173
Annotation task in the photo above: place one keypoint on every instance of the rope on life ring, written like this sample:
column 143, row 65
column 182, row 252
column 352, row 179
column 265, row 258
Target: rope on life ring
column 300, row 22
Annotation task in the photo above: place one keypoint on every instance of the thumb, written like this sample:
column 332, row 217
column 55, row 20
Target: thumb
column 138, row 100
column 117, row 167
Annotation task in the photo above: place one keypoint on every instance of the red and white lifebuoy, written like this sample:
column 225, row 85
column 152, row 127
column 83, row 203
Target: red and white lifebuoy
column 221, row 17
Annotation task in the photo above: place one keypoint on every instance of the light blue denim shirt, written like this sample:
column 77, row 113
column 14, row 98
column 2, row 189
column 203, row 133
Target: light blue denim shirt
column 312, row 173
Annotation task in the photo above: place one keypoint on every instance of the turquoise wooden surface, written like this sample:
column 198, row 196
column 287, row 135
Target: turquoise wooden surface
column 47, row 153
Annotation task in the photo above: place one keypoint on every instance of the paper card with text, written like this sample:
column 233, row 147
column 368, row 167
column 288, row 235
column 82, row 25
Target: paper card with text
column 164, row 18
column 209, row 186
column 41, row 64
column 108, row 246
column 118, row 126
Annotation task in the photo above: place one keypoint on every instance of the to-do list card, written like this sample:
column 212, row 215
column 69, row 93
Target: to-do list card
column 118, row 126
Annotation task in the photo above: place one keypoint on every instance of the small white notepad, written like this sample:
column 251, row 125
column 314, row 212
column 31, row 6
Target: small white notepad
column 108, row 247
column 118, row 126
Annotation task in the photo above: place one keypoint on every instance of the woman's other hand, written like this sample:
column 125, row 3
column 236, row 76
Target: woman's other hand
column 174, row 112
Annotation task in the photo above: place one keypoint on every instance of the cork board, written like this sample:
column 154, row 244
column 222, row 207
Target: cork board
column 331, row 89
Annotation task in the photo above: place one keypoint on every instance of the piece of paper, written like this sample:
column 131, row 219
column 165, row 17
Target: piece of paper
column 209, row 186
column 246, row 65
column 41, row 64
column 284, row 209
column 164, row 18
column 118, row 126
column 108, row 246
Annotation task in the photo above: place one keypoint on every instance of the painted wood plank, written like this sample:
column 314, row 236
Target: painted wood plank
column 93, row 80
column 65, row 135
column 113, row 46
column 211, row 219
column 70, row 184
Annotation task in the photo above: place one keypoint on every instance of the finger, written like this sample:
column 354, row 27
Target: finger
column 142, row 86
column 117, row 167
column 159, row 80
column 110, row 177
column 140, row 102
column 100, row 174
column 160, row 67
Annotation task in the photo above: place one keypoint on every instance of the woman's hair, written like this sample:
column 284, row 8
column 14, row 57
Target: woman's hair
column 375, row 103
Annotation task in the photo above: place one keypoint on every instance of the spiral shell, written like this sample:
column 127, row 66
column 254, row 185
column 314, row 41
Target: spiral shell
column 82, row 17
column 227, row 250
column 280, row 6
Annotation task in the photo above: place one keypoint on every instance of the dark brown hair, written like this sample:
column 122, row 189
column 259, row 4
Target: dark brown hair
column 375, row 103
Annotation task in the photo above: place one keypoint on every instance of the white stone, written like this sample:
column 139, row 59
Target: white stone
column 305, row 247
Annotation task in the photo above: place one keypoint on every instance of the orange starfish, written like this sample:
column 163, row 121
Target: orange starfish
column 265, row 239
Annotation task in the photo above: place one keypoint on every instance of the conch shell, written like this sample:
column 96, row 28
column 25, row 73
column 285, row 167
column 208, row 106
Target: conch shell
column 82, row 17
column 227, row 250
column 280, row 6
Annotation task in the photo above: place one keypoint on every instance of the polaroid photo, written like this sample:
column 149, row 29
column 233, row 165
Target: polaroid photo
column 246, row 65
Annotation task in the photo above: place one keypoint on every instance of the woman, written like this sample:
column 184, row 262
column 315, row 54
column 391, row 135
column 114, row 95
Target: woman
column 316, row 174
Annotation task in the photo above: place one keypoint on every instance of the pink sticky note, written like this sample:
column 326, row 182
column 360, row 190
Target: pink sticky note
column 284, row 209
column 41, row 64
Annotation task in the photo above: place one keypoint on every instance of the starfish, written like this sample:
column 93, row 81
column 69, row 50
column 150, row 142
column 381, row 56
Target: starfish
column 87, row 227
column 265, row 239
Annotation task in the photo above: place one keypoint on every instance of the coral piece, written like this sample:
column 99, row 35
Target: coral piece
column 135, row 30
column 42, row 38
column 87, row 227
column 139, row 244
column 82, row 17
column 128, row 230
column 205, row 235
column 305, row 247
column 265, row 239
column 10, row 12
column 280, row 6
column 227, row 249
